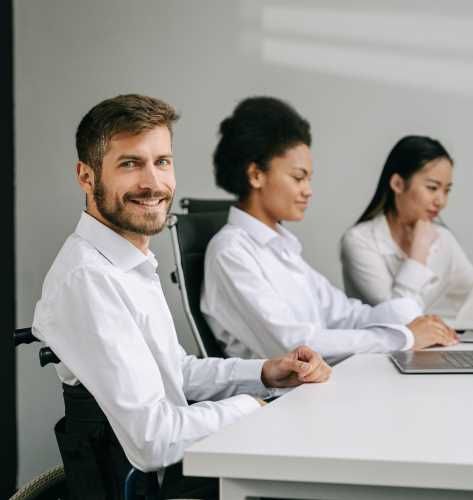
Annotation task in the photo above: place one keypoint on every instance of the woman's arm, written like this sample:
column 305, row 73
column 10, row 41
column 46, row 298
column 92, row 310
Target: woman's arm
column 366, row 274
column 240, row 298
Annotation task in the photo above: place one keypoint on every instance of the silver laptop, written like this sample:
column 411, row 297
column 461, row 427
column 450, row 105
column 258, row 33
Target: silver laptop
column 465, row 335
column 464, row 319
column 433, row 361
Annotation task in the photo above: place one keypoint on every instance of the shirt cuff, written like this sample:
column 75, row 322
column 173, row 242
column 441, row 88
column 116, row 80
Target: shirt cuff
column 244, row 403
column 414, row 275
column 409, row 337
column 248, row 374
column 400, row 338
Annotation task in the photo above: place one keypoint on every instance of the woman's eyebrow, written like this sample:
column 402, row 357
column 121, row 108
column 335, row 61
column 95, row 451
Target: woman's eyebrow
column 303, row 169
column 438, row 183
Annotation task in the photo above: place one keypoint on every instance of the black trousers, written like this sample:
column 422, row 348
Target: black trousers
column 96, row 466
column 175, row 485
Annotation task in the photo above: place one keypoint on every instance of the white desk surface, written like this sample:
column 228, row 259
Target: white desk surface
column 368, row 425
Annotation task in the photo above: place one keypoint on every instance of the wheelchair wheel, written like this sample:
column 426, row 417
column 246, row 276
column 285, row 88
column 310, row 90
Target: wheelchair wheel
column 50, row 485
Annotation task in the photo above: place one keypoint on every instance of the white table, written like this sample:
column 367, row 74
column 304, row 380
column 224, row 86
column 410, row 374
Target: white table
column 370, row 433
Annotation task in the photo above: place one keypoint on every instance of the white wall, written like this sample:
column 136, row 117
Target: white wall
column 364, row 76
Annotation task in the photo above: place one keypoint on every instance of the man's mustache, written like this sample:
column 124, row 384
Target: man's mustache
column 148, row 194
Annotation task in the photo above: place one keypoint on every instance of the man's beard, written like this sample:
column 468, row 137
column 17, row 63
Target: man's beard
column 117, row 214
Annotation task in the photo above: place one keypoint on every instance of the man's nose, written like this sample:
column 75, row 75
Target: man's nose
column 150, row 177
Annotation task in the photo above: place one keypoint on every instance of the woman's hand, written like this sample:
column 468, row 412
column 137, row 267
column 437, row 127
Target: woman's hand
column 423, row 235
column 430, row 330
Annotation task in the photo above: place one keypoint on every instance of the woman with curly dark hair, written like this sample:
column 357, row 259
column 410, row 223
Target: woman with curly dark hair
column 260, row 297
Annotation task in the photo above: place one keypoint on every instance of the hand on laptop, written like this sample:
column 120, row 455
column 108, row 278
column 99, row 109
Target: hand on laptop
column 430, row 330
column 300, row 366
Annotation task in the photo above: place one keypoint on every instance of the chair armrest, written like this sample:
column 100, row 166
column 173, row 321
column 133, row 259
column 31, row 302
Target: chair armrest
column 24, row 336
column 46, row 356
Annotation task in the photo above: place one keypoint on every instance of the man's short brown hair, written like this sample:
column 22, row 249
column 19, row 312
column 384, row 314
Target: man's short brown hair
column 131, row 113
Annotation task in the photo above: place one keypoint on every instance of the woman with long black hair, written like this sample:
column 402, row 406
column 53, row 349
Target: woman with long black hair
column 399, row 247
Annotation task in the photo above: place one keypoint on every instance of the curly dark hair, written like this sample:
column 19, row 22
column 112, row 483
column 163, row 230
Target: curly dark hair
column 259, row 129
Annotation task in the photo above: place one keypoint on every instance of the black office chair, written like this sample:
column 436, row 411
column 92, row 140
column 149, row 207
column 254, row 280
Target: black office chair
column 190, row 235
column 52, row 484
column 199, row 205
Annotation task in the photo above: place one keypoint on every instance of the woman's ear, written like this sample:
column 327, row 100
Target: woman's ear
column 255, row 175
column 397, row 184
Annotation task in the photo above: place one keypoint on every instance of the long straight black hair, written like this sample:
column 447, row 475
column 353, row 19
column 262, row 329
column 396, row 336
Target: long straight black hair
column 407, row 157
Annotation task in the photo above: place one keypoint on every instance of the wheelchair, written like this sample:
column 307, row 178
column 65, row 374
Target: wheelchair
column 52, row 484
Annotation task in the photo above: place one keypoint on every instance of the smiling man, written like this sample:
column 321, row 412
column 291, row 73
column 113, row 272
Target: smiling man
column 103, row 313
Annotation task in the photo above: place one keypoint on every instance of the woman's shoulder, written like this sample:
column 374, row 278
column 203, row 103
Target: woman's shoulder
column 229, row 239
column 361, row 233
column 443, row 230
column 446, row 235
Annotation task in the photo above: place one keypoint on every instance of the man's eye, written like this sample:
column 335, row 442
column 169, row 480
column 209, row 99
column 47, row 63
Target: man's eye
column 298, row 179
column 163, row 162
column 432, row 188
column 128, row 164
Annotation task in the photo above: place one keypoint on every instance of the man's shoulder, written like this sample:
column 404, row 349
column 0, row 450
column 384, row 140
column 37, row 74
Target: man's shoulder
column 77, row 266
column 76, row 255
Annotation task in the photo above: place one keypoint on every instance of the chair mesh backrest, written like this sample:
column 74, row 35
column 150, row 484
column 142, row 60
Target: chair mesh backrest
column 194, row 231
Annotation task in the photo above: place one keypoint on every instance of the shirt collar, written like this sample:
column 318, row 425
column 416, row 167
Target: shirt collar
column 385, row 242
column 260, row 232
column 115, row 248
column 383, row 238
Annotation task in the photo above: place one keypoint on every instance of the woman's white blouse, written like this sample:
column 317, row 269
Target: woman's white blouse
column 375, row 269
column 261, row 298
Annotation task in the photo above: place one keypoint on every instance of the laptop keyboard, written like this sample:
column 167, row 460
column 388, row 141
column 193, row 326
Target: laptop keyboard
column 459, row 359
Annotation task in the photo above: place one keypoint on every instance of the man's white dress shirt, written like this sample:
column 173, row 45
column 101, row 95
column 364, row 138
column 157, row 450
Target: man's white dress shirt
column 376, row 269
column 261, row 299
column 103, row 313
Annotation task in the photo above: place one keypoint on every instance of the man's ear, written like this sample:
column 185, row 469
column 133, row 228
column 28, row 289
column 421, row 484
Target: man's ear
column 397, row 184
column 256, row 176
column 85, row 177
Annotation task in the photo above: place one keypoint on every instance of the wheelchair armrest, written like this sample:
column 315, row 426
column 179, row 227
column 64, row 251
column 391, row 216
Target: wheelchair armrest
column 46, row 356
column 24, row 336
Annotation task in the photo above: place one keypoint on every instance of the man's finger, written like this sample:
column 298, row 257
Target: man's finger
column 305, row 353
column 301, row 368
column 310, row 356
column 319, row 371
column 321, row 374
